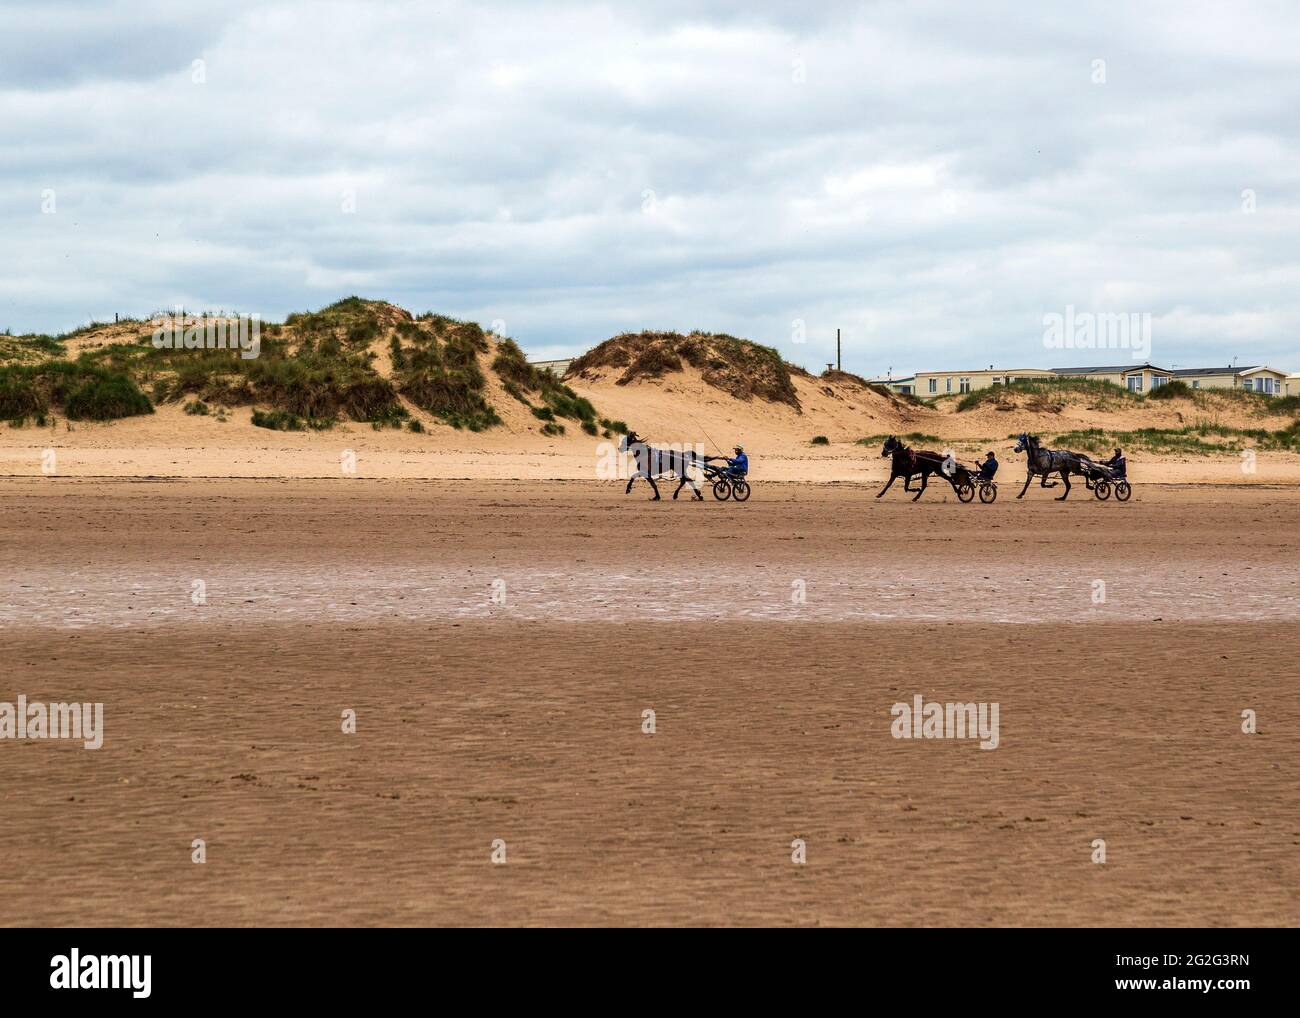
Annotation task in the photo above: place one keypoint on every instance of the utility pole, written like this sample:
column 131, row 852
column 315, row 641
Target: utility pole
column 839, row 363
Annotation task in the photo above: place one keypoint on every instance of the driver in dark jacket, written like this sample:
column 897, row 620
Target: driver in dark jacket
column 1117, row 463
column 988, row 468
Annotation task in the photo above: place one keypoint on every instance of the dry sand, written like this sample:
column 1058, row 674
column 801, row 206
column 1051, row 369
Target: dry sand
column 170, row 443
column 523, row 721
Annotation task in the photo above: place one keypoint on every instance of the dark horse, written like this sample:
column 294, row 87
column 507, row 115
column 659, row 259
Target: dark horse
column 907, row 462
column 1045, row 462
column 653, row 461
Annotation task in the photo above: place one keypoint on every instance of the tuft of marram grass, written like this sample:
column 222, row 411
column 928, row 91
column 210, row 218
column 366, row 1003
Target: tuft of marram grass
column 283, row 420
column 84, row 390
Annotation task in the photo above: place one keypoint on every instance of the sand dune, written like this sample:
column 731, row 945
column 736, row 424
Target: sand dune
column 681, row 405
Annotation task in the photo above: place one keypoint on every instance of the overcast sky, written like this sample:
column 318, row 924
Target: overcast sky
column 933, row 179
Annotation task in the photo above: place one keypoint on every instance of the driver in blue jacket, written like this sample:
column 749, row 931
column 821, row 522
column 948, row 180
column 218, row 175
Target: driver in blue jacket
column 739, row 463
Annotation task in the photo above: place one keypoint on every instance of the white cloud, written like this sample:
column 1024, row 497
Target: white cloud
column 939, row 177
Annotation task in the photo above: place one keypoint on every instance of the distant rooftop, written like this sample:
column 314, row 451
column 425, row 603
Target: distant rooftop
column 1227, row 369
column 982, row 371
column 556, row 366
column 1107, row 369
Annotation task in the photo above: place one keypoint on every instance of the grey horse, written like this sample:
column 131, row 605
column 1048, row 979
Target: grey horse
column 652, row 461
column 1044, row 462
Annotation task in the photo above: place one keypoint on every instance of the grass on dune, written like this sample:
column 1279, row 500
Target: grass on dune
column 1257, row 403
column 313, row 374
column 319, row 367
column 739, row 367
column 1202, row 439
column 316, row 367
column 911, row 436
column 1102, row 394
column 525, row 383
column 1198, row 439
column 436, row 367
column 28, row 349
column 83, row 391
column 319, row 379
column 1176, row 389
column 283, row 420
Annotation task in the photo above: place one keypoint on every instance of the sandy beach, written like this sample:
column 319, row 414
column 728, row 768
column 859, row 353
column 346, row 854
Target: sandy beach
column 499, row 643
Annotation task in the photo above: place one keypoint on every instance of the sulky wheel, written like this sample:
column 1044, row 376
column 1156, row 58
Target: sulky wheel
column 740, row 490
column 1102, row 490
column 1122, row 491
column 988, row 493
column 965, row 491
column 721, row 490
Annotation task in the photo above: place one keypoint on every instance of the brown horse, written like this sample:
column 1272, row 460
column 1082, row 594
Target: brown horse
column 908, row 462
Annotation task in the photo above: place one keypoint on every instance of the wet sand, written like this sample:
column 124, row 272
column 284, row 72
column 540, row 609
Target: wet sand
column 519, row 717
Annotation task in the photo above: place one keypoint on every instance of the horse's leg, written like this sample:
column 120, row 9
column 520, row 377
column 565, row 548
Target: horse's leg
column 888, row 484
column 1065, row 476
column 680, row 485
column 653, row 485
column 693, row 477
column 924, row 475
column 629, row 483
column 1028, row 477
